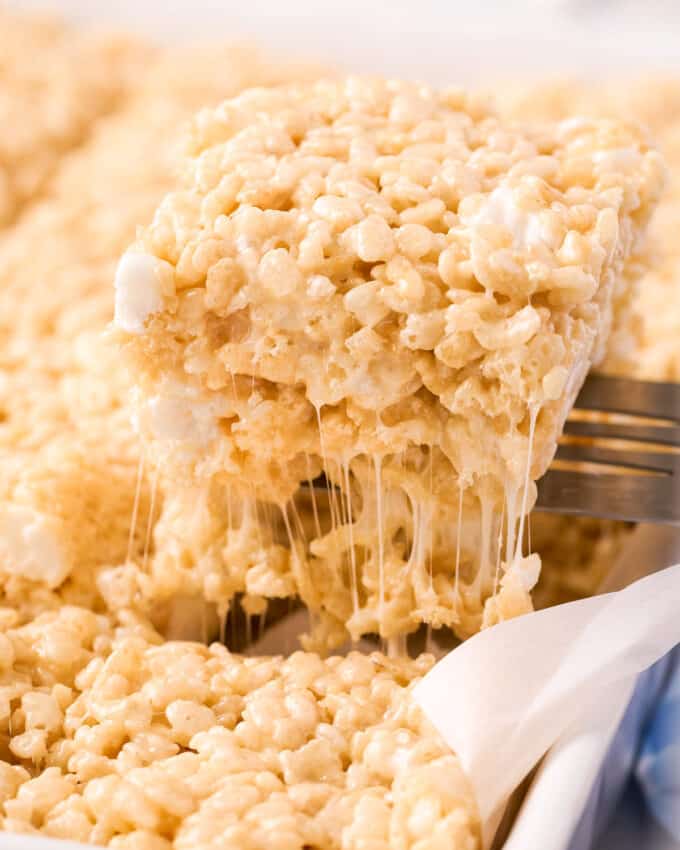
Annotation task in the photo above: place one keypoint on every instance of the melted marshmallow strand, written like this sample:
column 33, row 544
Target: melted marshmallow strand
column 389, row 287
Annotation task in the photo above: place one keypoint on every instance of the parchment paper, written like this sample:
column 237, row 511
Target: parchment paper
column 505, row 696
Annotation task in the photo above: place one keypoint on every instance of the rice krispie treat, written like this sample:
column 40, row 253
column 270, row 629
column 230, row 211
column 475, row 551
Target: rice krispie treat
column 55, row 83
column 394, row 288
column 75, row 495
column 111, row 736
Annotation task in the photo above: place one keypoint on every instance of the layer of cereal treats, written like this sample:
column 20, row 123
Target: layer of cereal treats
column 112, row 735
column 390, row 292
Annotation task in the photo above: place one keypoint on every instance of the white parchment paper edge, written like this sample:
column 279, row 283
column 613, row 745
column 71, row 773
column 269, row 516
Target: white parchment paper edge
column 503, row 698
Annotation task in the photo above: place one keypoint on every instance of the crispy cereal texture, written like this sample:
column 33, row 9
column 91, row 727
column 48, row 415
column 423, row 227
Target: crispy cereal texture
column 146, row 745
column 392, row 286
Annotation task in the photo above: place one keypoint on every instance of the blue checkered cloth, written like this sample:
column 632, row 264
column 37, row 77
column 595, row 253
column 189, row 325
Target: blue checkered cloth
column 635, row 802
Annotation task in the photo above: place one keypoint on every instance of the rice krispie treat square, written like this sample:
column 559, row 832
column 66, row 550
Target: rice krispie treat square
column 395, row 288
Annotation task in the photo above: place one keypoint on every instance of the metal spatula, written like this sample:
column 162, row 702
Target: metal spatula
column 620, row 454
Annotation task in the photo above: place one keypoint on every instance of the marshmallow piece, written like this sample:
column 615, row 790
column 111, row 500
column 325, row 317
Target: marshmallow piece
column 30, row 547
column 501, row 209
column 138, row 291
column 181, row 414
